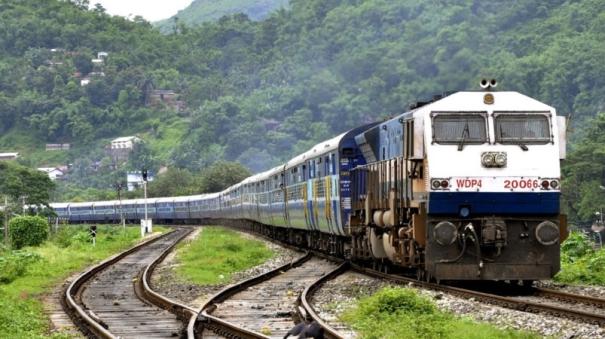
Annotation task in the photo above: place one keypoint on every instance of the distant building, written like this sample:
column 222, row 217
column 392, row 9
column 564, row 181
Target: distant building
column 54, row 173
column 167, row 97
column 57, row 147
column 84, row 81
column 125, row 142
column 134, row 180
column 9, row 156
column 120, row 148
column 102, row 55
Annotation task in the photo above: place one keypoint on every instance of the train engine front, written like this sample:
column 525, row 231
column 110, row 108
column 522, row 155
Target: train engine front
column 474, row 192
column 494, row 188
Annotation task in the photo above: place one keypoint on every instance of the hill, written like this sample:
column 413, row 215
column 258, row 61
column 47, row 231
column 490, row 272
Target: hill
column 200, row 11
column 259, row 92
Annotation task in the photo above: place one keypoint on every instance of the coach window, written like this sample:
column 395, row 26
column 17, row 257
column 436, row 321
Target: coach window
column 522, row 128
column 318, row 167
column 450, row 128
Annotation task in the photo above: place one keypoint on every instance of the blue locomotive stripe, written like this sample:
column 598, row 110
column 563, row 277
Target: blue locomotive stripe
column 494, row 203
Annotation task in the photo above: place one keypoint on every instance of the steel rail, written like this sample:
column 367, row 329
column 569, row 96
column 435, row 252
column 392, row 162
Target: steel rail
column 144, row 290
column 204, row 318
column 89, row 322
column 310, row 290
column 570, row 297
column 508, row 302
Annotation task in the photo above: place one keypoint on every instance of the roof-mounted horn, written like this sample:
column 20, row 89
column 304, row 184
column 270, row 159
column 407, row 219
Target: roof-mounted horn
column 488, row 84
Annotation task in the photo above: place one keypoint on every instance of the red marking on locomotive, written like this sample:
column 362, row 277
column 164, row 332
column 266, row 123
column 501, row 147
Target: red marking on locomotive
column 469, row 183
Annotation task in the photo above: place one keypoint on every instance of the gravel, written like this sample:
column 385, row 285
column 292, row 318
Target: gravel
column 591, row 291
column 338, row 295
column 166, row 282
column 341, row 293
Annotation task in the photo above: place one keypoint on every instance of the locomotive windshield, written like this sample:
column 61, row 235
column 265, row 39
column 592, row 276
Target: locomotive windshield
column 459, row 128
column 522, row 128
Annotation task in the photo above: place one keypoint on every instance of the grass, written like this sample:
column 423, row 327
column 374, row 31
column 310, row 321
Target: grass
column 216, row 254
column 395, row 312
column 169, row 135
column 68, row 251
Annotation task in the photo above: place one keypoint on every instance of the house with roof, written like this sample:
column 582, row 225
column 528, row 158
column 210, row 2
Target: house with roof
column 53, row 173
column 120, row 148
column 9, row 156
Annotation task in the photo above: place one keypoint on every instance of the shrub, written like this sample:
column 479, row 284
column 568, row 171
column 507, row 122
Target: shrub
column 27, row 231
column 14, row 264
column 576, row 246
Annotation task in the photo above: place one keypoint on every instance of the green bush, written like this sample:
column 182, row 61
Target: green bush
column 580, row 264
column 14, row 264
column 576, row 246
column 27, row 231
column 395, row 312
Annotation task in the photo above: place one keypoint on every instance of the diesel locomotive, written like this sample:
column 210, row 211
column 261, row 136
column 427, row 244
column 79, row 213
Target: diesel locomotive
column 465, row 187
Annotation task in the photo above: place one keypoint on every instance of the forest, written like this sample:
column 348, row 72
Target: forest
column 210, row 10
column 259, row 92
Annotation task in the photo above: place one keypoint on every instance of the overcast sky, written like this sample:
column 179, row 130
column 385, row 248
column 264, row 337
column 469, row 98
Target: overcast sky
column 151, row 10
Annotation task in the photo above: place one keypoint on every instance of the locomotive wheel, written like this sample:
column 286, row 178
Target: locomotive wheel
column 421, row 275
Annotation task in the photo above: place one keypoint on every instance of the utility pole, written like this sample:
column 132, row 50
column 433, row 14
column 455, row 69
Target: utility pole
column 119, row 188
column 146, row 224
column 6, row 219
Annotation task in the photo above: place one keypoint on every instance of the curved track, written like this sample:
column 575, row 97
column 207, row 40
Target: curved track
column 261, row 307
column 106, row 300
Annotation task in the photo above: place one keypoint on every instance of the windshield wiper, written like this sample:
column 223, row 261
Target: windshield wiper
column 520, row 143
column 465, row 133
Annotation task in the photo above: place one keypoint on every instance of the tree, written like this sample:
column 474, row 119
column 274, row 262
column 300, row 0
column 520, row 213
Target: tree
column 221, row 175
column 175, row 182
column 24, row 185
column 584, row 173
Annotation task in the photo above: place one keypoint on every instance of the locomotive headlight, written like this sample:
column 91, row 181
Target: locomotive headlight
column 500, row 159
column 493, row 159
column 487, row 159
column 436, row 184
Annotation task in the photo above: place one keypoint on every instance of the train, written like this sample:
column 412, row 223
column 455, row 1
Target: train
column 466, row 186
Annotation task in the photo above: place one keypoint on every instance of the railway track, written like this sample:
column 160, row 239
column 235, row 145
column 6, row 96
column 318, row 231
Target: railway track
column 107, row 300
column 535, row 303
column 264, row 306
column 539, row 304
column 105, row 304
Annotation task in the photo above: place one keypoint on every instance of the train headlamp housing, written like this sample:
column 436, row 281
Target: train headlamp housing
column 440, row 183
column 493, row 159
column 550, row 184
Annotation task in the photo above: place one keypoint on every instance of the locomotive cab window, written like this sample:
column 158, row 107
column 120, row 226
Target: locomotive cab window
column 451, row 128
column 522, row 128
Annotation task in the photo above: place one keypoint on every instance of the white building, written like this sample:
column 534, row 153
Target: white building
column 52, row 172
column 134, row 180
column 125, row 142
column 9, row 156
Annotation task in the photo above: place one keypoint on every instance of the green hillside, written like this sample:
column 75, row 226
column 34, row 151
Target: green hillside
column 259, row 92
column 211, row 10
